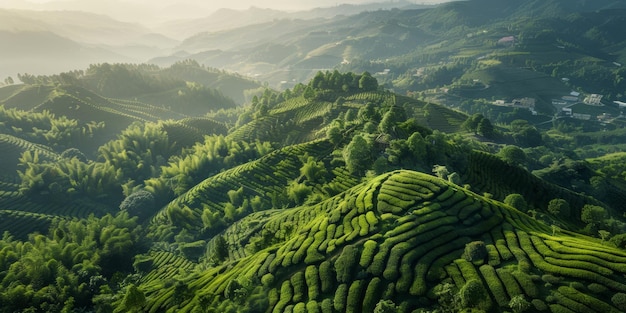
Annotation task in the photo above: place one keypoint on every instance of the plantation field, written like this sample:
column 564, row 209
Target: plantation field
column 506, row 82
column 397, row 237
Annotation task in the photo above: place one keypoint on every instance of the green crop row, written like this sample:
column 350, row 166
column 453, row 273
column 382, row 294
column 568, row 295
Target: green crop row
column 607, row 260
column 540, row 263
column 495, row 285
column 585, row 299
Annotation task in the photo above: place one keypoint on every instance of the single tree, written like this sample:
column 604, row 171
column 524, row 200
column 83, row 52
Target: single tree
column 593, row 214
column 220, row 249
column 357, row 154
column 513, row 155
column 559, row 207
column 140, row 204
column 485, row 128
column 517, row 201
column 367, row 82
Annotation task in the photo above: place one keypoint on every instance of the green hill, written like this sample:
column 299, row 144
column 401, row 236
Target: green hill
column 139, row 188
column 404, row 237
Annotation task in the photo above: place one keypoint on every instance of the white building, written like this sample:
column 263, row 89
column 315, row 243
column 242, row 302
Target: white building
column 593, row 99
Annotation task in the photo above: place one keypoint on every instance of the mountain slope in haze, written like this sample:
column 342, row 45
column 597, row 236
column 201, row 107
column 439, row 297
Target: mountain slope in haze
column 47, row 42
column 79, row 26
column 407, row 46
column 224, row 19
column 113, row 96
column 44, row 52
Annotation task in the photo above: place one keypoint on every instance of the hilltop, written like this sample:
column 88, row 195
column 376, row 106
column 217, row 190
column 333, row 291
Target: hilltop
column 336, row 195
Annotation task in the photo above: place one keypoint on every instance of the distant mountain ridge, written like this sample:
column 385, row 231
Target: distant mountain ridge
column 224, row 19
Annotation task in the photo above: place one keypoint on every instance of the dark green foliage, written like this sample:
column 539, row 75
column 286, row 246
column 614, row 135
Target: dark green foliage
column 619, row 300
column 369, row 249
column 345, row 265
column 355, row 296
column 327, row 277
column 220, row 249
column 77, row 253
column 513, row 155
column 372, row 293
column 74, row 153
column 140, row 204
column 485, row 128
column 385, row 306
column 357, row 154
column 134, row 299
column 475, row 251
column 341, row 295
column 495, row 285
column 517, row 201
column 312, row 281
column 367, row 82
column 474, row 295
column 299, row 287
column 559, row 207
column 448, row 297
column 593, row 214
column 472, row 122
column 518, row 304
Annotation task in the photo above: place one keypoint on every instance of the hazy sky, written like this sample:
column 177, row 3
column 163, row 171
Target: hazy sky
column 148, row 11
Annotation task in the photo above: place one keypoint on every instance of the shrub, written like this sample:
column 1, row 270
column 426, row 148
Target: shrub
column 577, row 285
column 619, row 300
column 593, row 214
column 539, row 305
column 298, row 283
column 327, row 306
column 385, row 306
column 372, row 294
column 475, row 251
column 140, row 204
column 472, row 294
column 312, row 307
column 355, row 298
column 134, row 299
column 597, row 288
column 559, row 207
column 517, row 201
column 369, row 248
column 312, row 281
column 495, row 285
column 326, row 277
column 619, row 240
column 340, row 297
column 74, row 153
column 550, row 279
column 267, row 279
column 345, row 264
column 519, row 304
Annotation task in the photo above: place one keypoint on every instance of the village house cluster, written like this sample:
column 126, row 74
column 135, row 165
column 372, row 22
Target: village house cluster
column 523, row 103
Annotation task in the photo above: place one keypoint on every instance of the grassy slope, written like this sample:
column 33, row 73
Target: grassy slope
column 396, row 237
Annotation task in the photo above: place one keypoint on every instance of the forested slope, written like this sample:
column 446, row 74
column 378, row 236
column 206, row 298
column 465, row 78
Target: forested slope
column 335, row 196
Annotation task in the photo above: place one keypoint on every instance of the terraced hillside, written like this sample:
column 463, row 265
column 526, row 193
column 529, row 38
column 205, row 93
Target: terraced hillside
column 316, row 199
column 405, row 239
